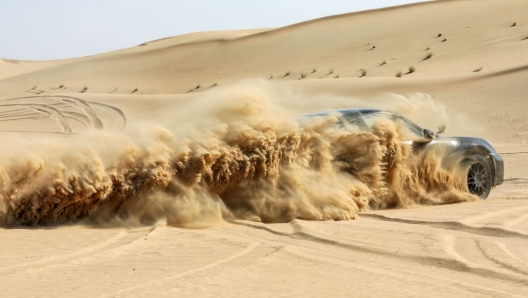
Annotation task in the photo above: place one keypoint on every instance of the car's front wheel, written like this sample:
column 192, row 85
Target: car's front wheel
column 478, row 176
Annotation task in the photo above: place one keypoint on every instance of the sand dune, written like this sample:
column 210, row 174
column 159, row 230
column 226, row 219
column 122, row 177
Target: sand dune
column 340, row 43
column 112, row 158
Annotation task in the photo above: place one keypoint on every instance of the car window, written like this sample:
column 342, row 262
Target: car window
column 359, row 124
column 370, row 120
column 366, row 123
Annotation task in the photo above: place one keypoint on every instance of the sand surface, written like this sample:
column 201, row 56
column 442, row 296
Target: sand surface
column 120, row 112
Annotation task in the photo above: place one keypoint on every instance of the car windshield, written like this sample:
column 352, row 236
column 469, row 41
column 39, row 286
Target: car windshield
column 366, row 122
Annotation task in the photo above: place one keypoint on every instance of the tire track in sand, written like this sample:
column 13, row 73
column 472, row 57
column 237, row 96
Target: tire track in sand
column 458, row 264
column 306, row 240
column 249, row 249
column 500, row 260
column 87, row 251
column 59, row 108
column 455, row 226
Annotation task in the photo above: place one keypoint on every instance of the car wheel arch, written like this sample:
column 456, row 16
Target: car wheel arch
column 473, row 150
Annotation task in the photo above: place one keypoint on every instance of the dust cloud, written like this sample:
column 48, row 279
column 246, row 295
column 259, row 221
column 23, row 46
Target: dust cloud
column 236, row 153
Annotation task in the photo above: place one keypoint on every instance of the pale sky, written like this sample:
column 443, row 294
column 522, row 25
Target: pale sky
column 56, row 29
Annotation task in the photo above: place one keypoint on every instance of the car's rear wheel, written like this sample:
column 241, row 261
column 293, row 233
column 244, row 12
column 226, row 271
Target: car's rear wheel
column 478, row 176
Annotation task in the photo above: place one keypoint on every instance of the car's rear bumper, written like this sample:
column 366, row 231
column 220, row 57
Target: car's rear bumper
column 499, row 169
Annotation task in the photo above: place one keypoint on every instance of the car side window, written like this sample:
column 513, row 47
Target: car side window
column 359, row 123
column 366, row 123
column 370, row 120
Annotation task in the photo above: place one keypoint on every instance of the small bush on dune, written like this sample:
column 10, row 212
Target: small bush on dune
column 478, row 69
column 363, row 73
column 411, row 69
column 326, row 75
column 383, row 63
column 195, row 88
column 428, row 56
column 399, row 74
column 83, row 90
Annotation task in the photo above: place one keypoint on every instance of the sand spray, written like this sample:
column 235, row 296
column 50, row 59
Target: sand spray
column 236, row 153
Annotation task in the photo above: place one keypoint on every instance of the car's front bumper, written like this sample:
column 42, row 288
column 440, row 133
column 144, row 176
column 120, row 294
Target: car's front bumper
column 499, row 169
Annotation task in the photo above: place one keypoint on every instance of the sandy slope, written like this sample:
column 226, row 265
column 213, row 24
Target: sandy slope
column 470, row 249
column 11, row 68
column 474, row 251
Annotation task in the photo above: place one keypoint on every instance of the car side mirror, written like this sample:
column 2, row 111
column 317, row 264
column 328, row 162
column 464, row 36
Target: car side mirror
column 429, row 134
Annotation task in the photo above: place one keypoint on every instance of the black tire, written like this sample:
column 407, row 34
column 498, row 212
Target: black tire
column 478, row 176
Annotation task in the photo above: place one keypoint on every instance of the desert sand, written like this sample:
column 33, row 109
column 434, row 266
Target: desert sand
column 117, row 169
